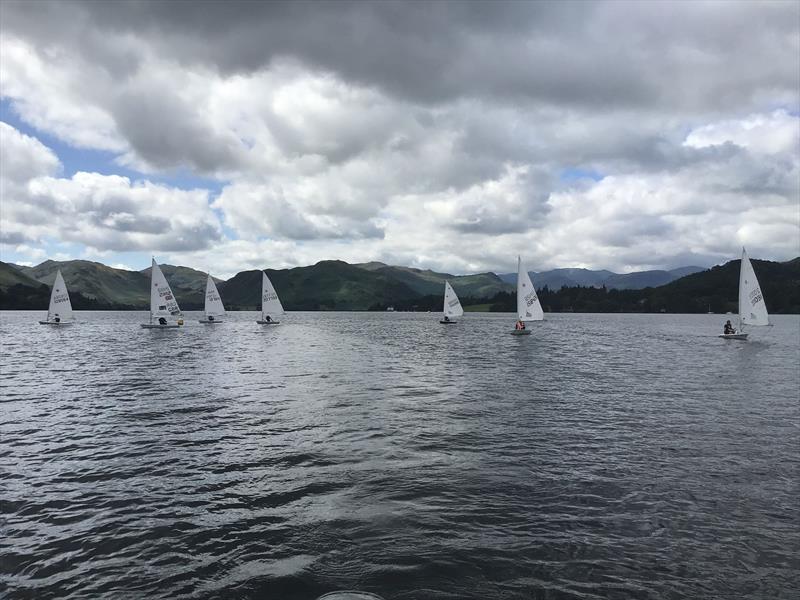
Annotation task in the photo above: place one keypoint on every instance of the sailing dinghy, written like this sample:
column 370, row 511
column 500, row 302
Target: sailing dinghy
column 214, row 309
column 270, row 303
column 163, row 306
column 528, row 306
column 60, row 310
column 452, row 306
column 752, row 309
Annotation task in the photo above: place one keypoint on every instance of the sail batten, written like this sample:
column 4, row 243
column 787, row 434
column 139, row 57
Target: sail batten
column 528, row 306
column 452, row 305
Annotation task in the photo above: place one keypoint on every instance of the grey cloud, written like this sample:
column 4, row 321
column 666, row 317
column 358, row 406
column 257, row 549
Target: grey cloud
column 134, row 223
column 167, row 133
column 13, row 237
column 700, row 54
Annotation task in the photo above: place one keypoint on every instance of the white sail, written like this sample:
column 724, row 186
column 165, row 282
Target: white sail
column 162, row 300
column 60, row 306
column 270, row 303
column 752, row 309
column 528, row 306
column 452, row 306
column 214, row 307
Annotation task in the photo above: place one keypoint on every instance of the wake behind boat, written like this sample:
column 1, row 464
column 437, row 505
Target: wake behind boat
column 528, row 306
column 752, row 308
column 163, row 305
column 60, row 310
column 270, row 303
column 452, row 305
column 214, row 309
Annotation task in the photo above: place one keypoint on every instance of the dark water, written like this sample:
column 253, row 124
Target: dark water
column 605, row 456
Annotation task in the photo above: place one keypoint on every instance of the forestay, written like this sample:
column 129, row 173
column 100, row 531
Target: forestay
column 214, row 307
column 162, row 300
column 528, row 306
column 60, row 306
column 452, row 306
column 270, row 303
column 752, row 309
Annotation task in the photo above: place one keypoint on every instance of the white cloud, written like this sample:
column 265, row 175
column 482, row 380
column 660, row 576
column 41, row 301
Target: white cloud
column 773, row 133
column 106, row 212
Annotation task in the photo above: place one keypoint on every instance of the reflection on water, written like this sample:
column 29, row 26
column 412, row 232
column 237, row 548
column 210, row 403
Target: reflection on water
column 604, row 456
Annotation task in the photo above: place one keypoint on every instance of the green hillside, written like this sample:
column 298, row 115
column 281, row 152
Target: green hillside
column 327, row 285
column 715, row 289
column 427, row 282
column 11, row 275
column 112, row 287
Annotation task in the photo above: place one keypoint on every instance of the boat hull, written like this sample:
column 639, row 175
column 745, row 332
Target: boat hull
column 520, row 332
column 60, row 324
column 734, row 336
column 207, row 322
column 149, row 326
column 448, row 322
column 268, row 322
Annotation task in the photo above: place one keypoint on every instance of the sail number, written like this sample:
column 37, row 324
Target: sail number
column 755, row 296
column 531, row 298
column 270, row 296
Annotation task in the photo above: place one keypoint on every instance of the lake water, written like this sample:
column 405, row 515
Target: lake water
column 604, row 456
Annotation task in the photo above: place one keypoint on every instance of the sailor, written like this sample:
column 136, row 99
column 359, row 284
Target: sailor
column 210, row 317
column 446, row 319
column 729, row 330
column 162, row 321
column 57, row 319
column 268, row 319
column 520, row 325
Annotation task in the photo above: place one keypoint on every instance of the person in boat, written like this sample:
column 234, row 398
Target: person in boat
column 162, row 321
column 520, row 325
column 268, row 319
column 446, row 319
column 57, row 319
column 210, row 317
column 729, row 330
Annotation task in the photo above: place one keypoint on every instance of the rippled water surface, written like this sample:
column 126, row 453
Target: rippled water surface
column 604, row 456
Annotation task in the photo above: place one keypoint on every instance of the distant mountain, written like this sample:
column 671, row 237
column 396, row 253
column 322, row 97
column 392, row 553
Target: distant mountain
column 12, row 275
column 555, row 279
column 715, row 289
column 336, row 285
column 119, row 287
column 426, row 282
column 327, row 285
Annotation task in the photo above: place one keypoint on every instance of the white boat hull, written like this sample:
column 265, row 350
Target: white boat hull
column 260, row 322
column 60, row 323
column 521, row 332
column 149, row 326
column 734, row 336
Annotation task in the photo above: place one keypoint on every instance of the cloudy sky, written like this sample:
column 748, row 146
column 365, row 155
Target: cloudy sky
column 444, row 135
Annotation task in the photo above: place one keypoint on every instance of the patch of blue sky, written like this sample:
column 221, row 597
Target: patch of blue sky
column 102, row 161
column 577, row 174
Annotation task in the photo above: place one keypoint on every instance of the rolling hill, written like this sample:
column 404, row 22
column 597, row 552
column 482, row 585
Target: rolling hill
column 336, row 285
column 555, row 279
column 327, row 285
column 425, row 282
